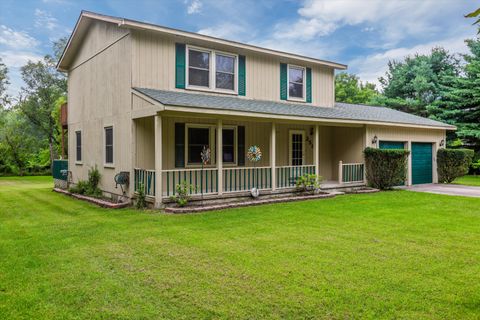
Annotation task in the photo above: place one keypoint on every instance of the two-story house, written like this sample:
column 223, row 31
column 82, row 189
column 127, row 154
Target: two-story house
column 147, row 99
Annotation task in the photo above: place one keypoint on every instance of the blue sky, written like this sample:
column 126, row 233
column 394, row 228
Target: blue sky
column 364, row 34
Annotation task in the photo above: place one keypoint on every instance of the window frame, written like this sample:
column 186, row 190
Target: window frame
column 290, row 146
column 79, row 162
column 212, row 72
column 304, row 84
column 211, row 140
column 105, row 163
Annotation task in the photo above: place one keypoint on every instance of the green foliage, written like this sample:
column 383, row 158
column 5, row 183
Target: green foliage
column 90, row 186
column 141, row 202
column 453, row 163
column 385, row 168
column 474, row 14
column 349, row 89
column 308, row 182
column 182, row 193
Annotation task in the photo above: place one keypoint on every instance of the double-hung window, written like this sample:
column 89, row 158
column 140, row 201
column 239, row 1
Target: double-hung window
column 198, row 136
column 78, row 140
column 229, row 143
column 109, row 145
column 296, row 83
column 211, row 70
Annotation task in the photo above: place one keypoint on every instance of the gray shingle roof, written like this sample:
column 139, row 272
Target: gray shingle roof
column 341, row 111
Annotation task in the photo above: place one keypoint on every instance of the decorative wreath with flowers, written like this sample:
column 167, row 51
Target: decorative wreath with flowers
column 254, row 154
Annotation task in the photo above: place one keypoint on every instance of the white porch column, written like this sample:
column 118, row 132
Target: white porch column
column 219, row 150
column 316, row 144
column 134, row 155
column 273, row 156
column 409, row 165
column 340, row 171
column 158, row 162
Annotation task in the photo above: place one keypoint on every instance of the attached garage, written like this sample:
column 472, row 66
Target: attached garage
column 422, row 167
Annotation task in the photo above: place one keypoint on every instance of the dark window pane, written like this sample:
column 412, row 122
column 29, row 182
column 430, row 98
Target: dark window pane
column 295, row 75
column 198, row 77
column 197, row 139
column 198, row 136
column 228, row 138
column 198, row 59
column 225, row 81
column 295, row 90
column 109, row 145
column 79, row 145
column 225, row 63
column 228, row 154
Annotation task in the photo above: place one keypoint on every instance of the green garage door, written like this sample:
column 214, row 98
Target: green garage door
column 421, row 163
column 393, row 145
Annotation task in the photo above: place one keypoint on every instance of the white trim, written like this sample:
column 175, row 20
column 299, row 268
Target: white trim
column 105, row 163
column 290, row 133
column 212, row 70
column 304, row 85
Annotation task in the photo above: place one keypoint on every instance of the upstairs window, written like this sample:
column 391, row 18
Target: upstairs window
column 108, row 145
column 211, row 70
column 198, row 68
column 296, row 83
column 225, row 72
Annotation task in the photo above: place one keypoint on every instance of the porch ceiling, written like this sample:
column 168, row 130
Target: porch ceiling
column 342, row 112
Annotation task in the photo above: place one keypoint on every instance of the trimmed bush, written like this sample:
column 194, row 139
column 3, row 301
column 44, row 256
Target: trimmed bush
column 453, row 163
column 385, row 168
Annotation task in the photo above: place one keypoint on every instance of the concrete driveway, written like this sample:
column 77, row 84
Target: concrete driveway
column 449, row 189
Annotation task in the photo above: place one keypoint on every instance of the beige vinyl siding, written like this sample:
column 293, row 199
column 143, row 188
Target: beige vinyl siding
column 153, row 66
column 99, row 96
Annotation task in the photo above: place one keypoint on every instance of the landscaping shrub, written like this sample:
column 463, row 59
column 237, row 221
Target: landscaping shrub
column 182, row 193
column 89, row 187
column 308, row 182
column 141, row 202
column 385, row 168
column 453, row 163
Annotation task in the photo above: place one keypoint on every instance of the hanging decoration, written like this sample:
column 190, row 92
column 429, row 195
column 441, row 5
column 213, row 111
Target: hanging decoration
column 205, row 155
column 254, row 154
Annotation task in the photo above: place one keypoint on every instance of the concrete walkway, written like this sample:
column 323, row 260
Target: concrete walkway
column 449, row 189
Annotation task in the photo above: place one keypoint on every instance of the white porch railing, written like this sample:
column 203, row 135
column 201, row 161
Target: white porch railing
column 351, row 172
column 245, row 178
column 146, row 179
column 203, row 180
column 287, row 176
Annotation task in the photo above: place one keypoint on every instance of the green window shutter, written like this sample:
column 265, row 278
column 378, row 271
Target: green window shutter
column 283, row 81
column 241, row 145
column 242, row 79
column 179, row 145
column 309, row 85
column 180, row 65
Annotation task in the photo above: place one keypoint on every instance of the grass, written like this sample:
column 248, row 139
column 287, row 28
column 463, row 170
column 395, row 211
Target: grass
column 468, row 180
column 395, row 254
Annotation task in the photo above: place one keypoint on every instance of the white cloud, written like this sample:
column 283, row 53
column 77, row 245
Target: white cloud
column 16, row 39
column 194, row 7
column 373, row 66
column 394, row 20
column 16, row 59
column 45, row 20
column 56, row 1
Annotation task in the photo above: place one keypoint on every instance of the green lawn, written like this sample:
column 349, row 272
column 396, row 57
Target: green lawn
column 388, row 255
column 468, row 180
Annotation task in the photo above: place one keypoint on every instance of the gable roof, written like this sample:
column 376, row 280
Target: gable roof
column 341, row 112
column 87, row 17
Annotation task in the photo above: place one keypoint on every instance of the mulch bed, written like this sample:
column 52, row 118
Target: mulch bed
column 247, row 203
column 99, row 202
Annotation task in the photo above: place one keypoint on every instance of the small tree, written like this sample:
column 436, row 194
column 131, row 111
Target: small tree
column 385, row 168
column 453, row 163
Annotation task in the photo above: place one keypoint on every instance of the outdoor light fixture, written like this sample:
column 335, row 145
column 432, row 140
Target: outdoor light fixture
column 374, row 140
column 442, row 143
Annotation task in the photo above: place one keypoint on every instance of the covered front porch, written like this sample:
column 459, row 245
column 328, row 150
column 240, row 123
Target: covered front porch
column 168, row 145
